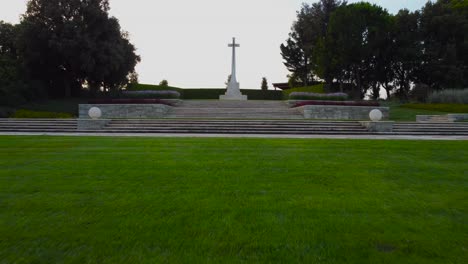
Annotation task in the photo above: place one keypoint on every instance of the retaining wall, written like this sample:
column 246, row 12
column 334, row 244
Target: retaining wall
column 110, row 111
column 341, row 112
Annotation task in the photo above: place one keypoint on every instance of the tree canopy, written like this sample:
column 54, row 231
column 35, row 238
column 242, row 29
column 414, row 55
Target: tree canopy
column 71, row 43
column 362, row 48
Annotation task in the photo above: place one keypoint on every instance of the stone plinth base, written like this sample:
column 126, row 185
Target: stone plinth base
column 234, row 97
column 336, row 112
column 92, row 124
column 381, row 126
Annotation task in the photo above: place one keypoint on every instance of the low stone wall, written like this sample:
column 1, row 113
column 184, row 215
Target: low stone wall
column 341, row 112
column 92, row 124
column 383, row 126
column 458, row 117
column 110, row 111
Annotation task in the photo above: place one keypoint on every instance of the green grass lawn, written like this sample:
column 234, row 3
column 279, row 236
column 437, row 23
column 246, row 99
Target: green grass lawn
column 400, row 113
column 144, row 200
column 69, row 106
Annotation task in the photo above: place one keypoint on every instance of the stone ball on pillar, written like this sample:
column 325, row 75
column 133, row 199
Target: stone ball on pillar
column 95, row 113
column 375, row 115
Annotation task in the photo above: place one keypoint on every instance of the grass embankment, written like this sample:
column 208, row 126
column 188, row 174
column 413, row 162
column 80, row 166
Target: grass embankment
column 408, row 112
column 142, row 200
column 54, row 108
column 447, row 108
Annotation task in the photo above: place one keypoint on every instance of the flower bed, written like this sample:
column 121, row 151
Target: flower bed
column 130, row 101
column 338, row 103
column 318, row 96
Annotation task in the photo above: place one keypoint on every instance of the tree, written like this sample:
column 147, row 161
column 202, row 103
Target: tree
column 15, row 89
column 164, row 83
column 307, row 31
column 66, row 43
column 444, row 27
column 407, row 52
column 356, row 45
column 228, row 80
column 264, row 84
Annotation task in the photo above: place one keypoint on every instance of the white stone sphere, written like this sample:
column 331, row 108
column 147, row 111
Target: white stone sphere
column 95, row 113
column 376, row 115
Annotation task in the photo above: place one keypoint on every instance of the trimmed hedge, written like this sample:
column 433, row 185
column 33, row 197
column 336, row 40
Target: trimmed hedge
column 22, row 113
column 339, row 103
column 319, row 88
column 150, row 87
column 448, row 108
column 207, row 93
column 318, row 96
column 213, row 94
column 151, row 94
column 129, row 101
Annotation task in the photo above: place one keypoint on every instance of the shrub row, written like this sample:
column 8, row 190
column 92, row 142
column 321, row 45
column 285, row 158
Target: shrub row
column 318, row 96
column 22, row 113
column 449, row 97
column 129, row 101
column 203, row 93
column 339, row 103
column 213, row 94
column 448, row 108
column 151, row 94
column 319, row 88
column 150, row 87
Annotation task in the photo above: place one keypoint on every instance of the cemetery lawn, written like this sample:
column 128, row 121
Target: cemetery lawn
column 152, row 200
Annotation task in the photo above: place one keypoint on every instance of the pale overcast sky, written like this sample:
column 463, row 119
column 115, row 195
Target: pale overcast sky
column 185, row 41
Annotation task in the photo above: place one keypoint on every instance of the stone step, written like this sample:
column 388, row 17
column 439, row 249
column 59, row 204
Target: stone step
column 229, row 131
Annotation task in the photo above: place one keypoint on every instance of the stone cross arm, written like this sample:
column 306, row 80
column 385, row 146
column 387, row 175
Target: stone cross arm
column 234, row 44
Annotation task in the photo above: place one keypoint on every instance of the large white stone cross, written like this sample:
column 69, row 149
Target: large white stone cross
column 233, row 90
column 234, row 45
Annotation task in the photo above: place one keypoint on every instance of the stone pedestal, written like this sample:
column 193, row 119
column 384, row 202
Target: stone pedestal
column 233, row 93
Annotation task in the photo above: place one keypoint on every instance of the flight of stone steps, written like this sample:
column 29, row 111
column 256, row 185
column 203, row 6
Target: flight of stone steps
column 213, row 126
column 231, row 126
column 39, row 125
column 209, row 109
column 431, row 128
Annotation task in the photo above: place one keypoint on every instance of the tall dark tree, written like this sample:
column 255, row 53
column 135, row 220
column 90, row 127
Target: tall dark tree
column 444, row 27
column 306, row 32
column 66, row 43
column 13, row 90
column 264, row 84
column 356, row 42
column 406, row 52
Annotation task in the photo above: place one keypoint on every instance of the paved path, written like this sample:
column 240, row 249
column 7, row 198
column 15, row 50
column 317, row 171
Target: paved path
column 376, row 137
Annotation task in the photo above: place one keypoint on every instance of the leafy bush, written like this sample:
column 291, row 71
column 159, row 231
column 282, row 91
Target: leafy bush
column 448, row 108
column 339, row 103
column 129, row 101
column 6, row 112
column 318, row 96
column 319, row 88
column 164, row 83
column 22, row 113
column 449, row 97
column 151, row 94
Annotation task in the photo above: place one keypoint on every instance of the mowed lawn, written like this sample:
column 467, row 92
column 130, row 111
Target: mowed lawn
column 165, row 200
